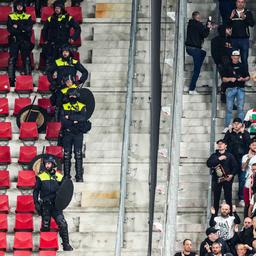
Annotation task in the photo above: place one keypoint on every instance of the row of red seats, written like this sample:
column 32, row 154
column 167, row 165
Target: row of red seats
column 23, row 241
column 76, row 12
column 29, row 253
column 27, row 153
column 4, row 39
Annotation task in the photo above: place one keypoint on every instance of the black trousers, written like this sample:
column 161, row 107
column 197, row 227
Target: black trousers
column 217, row 188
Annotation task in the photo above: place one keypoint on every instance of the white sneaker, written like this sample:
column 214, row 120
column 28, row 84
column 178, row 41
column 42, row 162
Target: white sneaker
column 241, row 203
column 193, row 92
column 225, row 130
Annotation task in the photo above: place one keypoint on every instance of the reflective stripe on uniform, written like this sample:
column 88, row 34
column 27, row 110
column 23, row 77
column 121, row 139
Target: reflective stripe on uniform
column 59, row 62
column 44, row 176
column 17, row 16
column 78, row 106
column 65, row 90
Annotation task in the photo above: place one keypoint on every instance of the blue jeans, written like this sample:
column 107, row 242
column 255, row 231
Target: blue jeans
column 225, row 8
column 232, row 94
column 198, row 59
column 243, row 45
column 241, row 181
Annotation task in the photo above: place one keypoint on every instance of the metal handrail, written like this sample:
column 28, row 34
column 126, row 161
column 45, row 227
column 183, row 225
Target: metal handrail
column 126, row 131
column 175, row 131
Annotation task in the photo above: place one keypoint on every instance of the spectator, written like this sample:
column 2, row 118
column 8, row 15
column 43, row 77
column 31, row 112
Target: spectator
column 196, row 32
column 246, row 234
column 212, row 236
column 225, row 8
column 250, row 121
column 187, row 249
column 224, row 167
column 216, row 250
column 252, row 212
column 19, row 25
column 241, row 249
column 249, row 169
column 238, row 141
column 234, row 77
column 225, row 223
column 240, row 21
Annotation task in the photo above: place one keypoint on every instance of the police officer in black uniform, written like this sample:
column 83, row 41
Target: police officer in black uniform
column 47, row 184
column 73, row 119
column 56, row 32
column 66, row 66
column 19, row 25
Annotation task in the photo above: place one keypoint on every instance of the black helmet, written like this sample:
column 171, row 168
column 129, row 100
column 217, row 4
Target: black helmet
column 59, row 3
column 49, row 159
column 19, row 2
column 73, row 93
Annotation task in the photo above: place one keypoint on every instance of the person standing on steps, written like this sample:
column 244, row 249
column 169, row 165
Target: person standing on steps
column 19, row 25
column 225, row 8
column 196, row 32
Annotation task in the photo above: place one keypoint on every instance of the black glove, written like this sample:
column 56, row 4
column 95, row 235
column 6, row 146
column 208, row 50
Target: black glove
column 38, row 208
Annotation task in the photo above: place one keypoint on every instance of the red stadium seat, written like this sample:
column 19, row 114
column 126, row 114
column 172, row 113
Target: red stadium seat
column 52, row 131
column 43, row 85
column 46, row 12
column 78, row 42
column 23, row 241
column 48, row 240
column 19, row 63
column 2, row 253
column 4, row 84
column 55, row 150
column 5, row 131
column 25, row 204
column 4, row 179
column 76, row 13
column 3, row 241
column 19, row 104
column 24, row 84
column 22, row 253
column 4, row 204
column 4, row 108
column 24, row 222
column 4, row 58
column 31, row 10
column 53, row 225
column 27, row 153
column 28, row 131
column 44, row 103
column 3, row 222
column 26, row 179
column 47, row 253
column 4, row 39
column 5, row 155
column 4, row 12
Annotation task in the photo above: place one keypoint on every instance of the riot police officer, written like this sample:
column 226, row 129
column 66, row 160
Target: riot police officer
column 47, row 184
column 56, row 32
column 19, row 25
column 73, row 119
column 65, row 66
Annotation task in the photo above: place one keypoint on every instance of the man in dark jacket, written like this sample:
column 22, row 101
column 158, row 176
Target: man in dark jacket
column 19, row 25
column 225, row 8
column 187, row 249
column 240, row 21
column 238, row 141
column 44, row 194
column 224, row 167
column 246, row 234
column 196, row 32
column 212, row 236
column 56, row 32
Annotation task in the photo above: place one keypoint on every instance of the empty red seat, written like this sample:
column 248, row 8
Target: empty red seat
column 22, row 253
column 4, row 39
column 76, row 13
column 28, row 131
column 4, row 83
column 26, row 179
column 4, row 204
column 5, row 131
column 4, row 58
column 31, row 10
column 25, row 204
column 3, row 222
column 4, row 107
column 19, row 63
column 24, row 222
column 19, row 104
column 27, row 153
column 47, row 253
column 44, row 103
column 5, row 155
column 4, row 179
column 48, row 240
column 46, row 12
column 23, row 241
column 53, row 130
column 43, row 85
column 24, row 84
column 55, row 150
column 4, row 12
column 3, row 241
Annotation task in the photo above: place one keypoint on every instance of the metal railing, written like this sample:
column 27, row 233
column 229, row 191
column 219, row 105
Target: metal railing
column 126, row 131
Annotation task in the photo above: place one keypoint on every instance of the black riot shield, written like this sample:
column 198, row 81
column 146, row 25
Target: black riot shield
column 87, row 97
